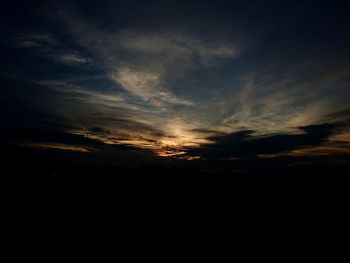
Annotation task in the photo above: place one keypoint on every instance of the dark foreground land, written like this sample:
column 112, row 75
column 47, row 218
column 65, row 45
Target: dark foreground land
column 44, row 184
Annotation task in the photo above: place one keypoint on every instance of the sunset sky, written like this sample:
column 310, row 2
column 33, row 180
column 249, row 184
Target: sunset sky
column 187, row 80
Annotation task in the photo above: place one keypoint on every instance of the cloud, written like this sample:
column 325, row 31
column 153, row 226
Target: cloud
column 148, row 63
column 107, row 109
column 146, row 85
column 282, row 100
column 246, row 144
column 117, row 121
column 165, row 85
column 58, row 104
column 48, row 140
column 176, row 51
column 337, row 144
column 78, row 92
column 343, row 115
column 49, row 47
column 55, row 146
column 41, row 41
column 327, row 149
column 73, row 59
column 99, row 131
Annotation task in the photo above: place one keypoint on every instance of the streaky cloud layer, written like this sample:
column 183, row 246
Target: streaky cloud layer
column 197, row 80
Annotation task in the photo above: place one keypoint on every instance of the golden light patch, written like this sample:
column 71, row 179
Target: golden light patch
column 54, row 146
column 342, row 137
column 323, row 150
column 181, row 136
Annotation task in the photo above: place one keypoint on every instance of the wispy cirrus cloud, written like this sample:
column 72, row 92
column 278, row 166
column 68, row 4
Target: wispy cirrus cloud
column 282, row 101
column 147, row 63
column 48, row 46
column 146, row 85
column 155, row 59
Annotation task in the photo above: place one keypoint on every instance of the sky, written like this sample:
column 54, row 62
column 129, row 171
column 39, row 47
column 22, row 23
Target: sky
column 188, row 80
